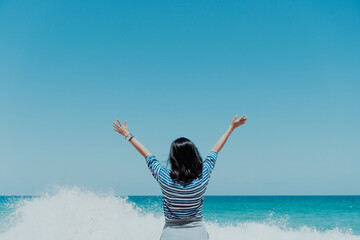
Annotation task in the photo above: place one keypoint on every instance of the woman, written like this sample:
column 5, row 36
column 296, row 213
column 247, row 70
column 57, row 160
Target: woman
column 184, row 186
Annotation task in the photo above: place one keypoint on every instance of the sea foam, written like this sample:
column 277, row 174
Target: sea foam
column 72, row 213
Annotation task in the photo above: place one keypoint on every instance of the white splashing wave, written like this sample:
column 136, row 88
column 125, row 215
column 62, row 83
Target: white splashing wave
column 76, row 214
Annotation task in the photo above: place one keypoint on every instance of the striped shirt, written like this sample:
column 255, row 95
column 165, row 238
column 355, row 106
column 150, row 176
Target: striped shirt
column 182, row 201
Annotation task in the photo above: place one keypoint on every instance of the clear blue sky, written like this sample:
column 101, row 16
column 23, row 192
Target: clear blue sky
column 180, row 68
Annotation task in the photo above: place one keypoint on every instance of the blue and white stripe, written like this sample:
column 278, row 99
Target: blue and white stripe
column 179, row 201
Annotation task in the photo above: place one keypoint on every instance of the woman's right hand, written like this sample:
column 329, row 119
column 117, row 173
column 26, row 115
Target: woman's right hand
column 236, row 123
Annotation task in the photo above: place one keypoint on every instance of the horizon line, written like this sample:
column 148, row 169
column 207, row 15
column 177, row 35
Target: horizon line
column 274, row 195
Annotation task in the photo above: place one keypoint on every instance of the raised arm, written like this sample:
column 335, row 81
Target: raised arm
column 124, row 130
column 234, row 124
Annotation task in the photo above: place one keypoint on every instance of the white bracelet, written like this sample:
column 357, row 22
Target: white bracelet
column 129, row 137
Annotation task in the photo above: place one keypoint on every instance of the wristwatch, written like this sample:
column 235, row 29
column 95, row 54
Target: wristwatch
column 129, row 137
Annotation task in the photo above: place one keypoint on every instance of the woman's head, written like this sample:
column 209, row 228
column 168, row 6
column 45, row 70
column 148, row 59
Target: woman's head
column 186, row 163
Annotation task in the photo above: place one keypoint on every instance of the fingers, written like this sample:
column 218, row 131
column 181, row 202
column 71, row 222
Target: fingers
column 119, row 123
column 241, row 120
column 119, row 127
column 115, row 125
column 236, row 123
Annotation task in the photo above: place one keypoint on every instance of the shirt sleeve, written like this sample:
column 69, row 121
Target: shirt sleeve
column 210, row 160
column 155, row 167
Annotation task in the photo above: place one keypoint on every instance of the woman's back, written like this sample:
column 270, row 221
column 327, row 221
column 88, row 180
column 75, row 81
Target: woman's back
column 184, row 187
column 181, row 201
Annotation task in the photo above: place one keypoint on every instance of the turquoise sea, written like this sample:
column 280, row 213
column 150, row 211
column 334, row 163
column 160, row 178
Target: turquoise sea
column 73, row 213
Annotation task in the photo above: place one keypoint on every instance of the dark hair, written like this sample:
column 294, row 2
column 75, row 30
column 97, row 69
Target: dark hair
column 186, row 162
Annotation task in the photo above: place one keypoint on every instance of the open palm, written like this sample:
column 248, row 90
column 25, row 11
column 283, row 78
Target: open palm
column 122, row 129
column 236, row 123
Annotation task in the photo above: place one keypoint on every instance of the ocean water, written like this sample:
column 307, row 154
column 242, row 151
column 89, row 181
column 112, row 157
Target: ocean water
column 72, row 213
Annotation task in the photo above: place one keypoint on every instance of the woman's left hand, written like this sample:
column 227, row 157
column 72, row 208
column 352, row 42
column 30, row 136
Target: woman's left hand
column 123, row 130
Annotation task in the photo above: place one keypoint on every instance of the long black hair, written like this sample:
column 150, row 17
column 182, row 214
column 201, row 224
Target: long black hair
column 186, row 162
